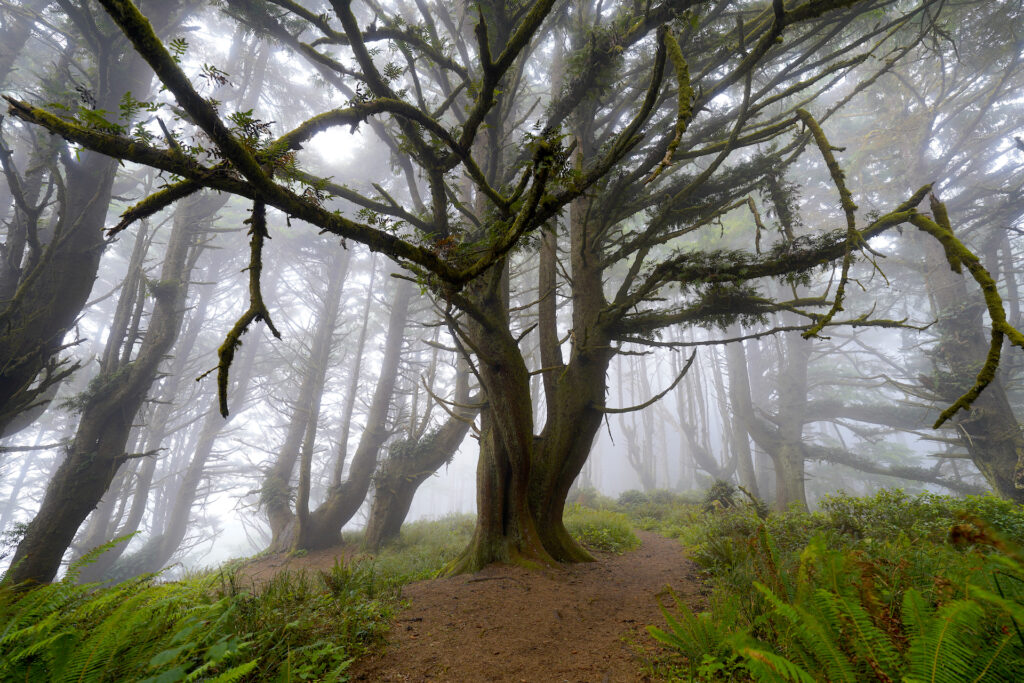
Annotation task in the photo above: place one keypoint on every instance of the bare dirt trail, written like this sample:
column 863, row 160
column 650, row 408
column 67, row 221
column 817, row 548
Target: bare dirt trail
column 580, row 624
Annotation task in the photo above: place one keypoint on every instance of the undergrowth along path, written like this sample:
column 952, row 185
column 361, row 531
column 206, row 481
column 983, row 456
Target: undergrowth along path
column 579, row 623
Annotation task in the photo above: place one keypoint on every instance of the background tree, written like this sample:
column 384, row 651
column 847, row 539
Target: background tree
column 667, row 121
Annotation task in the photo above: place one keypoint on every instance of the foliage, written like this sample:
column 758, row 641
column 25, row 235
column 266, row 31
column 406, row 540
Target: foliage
column 297, row 626
column 602, row 530
column 889, row 588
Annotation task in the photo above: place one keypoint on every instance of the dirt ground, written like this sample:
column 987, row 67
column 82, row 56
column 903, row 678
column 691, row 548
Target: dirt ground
column 580, row 624
column 260, row 571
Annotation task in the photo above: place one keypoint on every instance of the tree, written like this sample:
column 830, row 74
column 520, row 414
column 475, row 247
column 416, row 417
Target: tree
column 47, row 274
column 622, row 167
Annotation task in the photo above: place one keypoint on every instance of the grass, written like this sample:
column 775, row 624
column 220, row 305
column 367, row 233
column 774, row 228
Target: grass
column 603, row 530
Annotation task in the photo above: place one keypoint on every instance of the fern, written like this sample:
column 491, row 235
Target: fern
column 765, row 665
column 868, row 642
column 892, row 611
column 818, row 639
column 692, row 634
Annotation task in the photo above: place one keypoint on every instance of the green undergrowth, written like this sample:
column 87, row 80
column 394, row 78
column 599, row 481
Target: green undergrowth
column 891, row 587
column 603, row 530
column 216, row 626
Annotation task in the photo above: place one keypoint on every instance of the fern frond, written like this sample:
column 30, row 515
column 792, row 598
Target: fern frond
column 768, row 666
column 868, row 641
column 236, row 673
column 946, row 649
column 820, row 645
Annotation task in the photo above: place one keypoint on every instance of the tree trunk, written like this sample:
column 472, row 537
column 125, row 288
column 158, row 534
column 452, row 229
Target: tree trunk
column 409, row 464
column 110, row 406
column 344, row 500
column 353, row 382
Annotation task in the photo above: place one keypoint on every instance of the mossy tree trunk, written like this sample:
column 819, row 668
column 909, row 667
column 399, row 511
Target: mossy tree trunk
column 108, row 414
column 523, row 480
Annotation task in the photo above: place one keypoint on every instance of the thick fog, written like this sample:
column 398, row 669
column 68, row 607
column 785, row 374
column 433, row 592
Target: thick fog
column 367, row 263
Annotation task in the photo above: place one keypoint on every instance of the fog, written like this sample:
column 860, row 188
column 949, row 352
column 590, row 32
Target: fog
column 366, row 263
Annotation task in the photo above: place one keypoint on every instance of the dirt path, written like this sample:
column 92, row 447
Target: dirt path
column 578, row 624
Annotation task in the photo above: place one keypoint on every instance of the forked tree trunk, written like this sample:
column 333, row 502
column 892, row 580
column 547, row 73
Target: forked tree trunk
column 323, row 527
column 408, row 466
column 523, row 481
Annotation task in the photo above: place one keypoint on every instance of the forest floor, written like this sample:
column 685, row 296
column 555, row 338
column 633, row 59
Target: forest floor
column 580, row 623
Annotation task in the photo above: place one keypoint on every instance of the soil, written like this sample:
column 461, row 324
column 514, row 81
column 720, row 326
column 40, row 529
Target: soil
column 578, row 623
column 258, row 572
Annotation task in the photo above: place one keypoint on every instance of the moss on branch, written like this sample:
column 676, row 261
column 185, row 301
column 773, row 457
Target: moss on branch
column 257, row 310
column 959, row 255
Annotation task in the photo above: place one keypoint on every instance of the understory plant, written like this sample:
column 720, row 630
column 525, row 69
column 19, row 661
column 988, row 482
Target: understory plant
column 221, row 627
column 887, row 588
column 602, row 530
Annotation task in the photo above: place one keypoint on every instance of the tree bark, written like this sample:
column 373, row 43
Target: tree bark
column 411, row 463
column 110, row 406
column 344, row 500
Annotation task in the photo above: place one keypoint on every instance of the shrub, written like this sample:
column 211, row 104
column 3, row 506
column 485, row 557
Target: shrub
column 864, row 589
column 602, row 530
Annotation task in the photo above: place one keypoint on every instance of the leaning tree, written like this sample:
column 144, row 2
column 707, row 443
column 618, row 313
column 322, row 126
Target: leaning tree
column 611, row 137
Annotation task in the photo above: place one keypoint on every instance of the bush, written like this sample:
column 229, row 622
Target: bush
column 864, row 589
column 602, row 530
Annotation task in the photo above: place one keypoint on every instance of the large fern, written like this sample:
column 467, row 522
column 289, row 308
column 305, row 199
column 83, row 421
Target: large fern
column 834, row 619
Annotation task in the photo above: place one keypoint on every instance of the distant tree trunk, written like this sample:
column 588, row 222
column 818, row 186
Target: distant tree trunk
column 783, row 443
column 355, row 369
column 276, row 493
column 788, row 450
column 52, row 292
column 637, row 449
column 734, row 432
column 156, row 433
column 110, row 406
column 344, row 500
column 412, row 462
column 161, row 546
